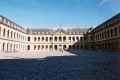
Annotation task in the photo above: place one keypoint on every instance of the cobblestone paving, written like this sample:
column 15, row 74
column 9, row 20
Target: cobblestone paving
column 85, row 66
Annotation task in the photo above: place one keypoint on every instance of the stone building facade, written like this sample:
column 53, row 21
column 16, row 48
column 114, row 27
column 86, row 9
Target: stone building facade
column 13, row 37
column 105, row 36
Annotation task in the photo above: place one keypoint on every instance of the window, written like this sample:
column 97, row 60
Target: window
column 115, row 31
column 35, row 39
column 28, row 38
column 4, row 32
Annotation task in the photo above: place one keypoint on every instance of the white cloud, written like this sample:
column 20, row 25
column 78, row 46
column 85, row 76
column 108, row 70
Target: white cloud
column 102, row 2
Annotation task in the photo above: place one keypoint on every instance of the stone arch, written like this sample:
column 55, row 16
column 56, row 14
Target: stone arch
column 55, row 38
column 46, row 38
column 50, row 38
column 42, row 38
column 50, row 47
column 14, row 34
column 38, row 47
column 28, row 47
column 42, row 47
column 35, row 47
column 55, row 47
column 11, row 34
column 35, row 39
column 64, row 38
column 28, row 38
column 60, row 38
column 69, row 38
column 73, row 38
column 38, row 39
column 46, row 47
column 8, row 32
column 77, row 38
column 64, row 47
column 3, row 47
column 115, row 31
column 4, row 30
column 111, row 32
column 70, row 46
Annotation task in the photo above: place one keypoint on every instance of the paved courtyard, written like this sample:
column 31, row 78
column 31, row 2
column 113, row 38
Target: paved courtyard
column 73, row 65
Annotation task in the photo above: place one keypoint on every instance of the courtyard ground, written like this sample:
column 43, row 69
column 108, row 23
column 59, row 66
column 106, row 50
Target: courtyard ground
column 72, row 65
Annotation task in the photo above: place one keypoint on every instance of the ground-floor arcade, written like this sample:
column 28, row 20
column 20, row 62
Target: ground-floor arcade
column 37, row 47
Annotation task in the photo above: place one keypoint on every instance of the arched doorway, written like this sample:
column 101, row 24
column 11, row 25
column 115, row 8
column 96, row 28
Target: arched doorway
column 64, row 47
column 50, row 47
column 55, row 47
column 3, row 47
column 28, row 47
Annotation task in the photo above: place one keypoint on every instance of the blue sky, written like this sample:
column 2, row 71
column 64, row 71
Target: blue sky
column 51, row 13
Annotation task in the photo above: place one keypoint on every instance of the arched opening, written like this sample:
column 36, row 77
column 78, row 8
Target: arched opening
column 14, row 47
column 73, row 38
column 69, row 38
column 35, row 39
column 3, row 32
column 42, row 38
column 11, row 34
column 46, row 38
column 50, row 38
column 55, row 38
column 28, row 47
column 64, row 38
column 38, row 39
column 64, row 47
column 60, row 38
column 8, row 33
column 46, row 47
column 111, row 31
column 108, row 33
column 3, row 46
column 38, row 47
column 28, row 38
column 104, row 34
column 77, row 38
column 42, row 47
column 34, row 47
column 14, row 35
column 115, row 31
column 55, row 47
column 50, row 47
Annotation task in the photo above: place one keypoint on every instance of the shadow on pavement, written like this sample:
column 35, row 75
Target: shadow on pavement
column 87, row 65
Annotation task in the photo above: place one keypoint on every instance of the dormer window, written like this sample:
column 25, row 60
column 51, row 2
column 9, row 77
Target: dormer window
column 42, row 32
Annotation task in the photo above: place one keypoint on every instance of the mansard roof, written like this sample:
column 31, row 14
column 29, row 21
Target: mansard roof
column 11, row 24
column 108, row 23
column 53, row 31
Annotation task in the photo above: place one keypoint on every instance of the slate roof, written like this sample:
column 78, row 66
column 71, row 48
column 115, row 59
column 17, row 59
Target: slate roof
column 52, row 31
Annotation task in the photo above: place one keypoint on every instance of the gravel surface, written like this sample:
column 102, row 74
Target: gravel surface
column 86, row 65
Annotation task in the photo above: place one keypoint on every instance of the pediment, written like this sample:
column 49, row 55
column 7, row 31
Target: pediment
column 60, row 31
